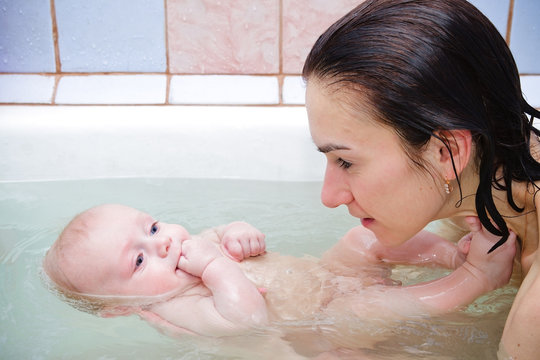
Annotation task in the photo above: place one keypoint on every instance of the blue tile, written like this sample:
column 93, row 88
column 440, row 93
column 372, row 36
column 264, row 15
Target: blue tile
column 496, row 11
column 111, row 35
column 26, row 42
column 525, row 36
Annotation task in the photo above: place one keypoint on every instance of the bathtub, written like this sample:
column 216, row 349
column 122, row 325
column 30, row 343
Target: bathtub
column 200, row 166
column 84, row 142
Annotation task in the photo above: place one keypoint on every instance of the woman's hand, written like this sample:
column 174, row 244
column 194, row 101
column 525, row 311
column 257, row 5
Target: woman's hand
column 493, row 269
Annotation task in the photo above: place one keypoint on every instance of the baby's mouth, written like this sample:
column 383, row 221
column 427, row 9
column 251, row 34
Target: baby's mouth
column 179, row 255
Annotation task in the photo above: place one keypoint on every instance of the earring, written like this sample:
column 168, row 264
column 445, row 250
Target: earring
column 447, row 187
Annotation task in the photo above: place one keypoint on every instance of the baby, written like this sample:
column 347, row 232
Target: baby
column 120, row 261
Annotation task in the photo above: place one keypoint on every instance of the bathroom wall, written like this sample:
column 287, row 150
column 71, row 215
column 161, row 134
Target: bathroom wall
column 165, row 52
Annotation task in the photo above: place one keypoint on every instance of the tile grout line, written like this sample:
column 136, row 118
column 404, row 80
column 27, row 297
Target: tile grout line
column 57, row 61
column 167, row 56
column 280, row 44
column 509, row 21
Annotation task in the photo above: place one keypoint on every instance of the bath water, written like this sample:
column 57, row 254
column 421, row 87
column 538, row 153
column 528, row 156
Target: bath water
column 34, row 324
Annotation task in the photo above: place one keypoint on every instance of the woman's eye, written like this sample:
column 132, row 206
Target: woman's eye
column 139, row 261
column 154, row 229
column 343, row 164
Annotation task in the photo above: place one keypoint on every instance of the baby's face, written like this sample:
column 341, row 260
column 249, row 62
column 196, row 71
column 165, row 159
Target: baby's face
column 130, row 253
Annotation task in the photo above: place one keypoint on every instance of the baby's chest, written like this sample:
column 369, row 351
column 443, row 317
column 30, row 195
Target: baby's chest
column 293, row 290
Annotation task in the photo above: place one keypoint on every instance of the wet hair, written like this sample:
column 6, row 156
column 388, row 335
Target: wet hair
column 432, row 65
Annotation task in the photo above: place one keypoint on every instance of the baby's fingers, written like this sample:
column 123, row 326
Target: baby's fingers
column 257, row 245
column 234, row 250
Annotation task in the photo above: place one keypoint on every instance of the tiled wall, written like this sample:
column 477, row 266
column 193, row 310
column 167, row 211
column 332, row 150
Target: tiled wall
column 246, row 52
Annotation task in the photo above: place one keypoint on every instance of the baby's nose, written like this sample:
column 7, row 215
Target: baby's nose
column 164, row 243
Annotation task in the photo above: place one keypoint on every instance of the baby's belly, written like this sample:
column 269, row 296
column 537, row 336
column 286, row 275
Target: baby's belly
column 296, row 288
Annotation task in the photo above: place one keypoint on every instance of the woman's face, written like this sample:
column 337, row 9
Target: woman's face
column 367, row 169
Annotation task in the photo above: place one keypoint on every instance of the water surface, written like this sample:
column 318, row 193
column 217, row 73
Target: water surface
column 34, row 324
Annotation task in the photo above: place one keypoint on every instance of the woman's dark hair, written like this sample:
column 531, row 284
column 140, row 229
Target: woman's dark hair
column 429, row 65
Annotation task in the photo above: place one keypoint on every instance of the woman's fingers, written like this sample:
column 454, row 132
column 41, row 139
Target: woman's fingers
column 474, row 223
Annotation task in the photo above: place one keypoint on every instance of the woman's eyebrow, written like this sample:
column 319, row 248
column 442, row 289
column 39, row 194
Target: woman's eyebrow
column 331, row 147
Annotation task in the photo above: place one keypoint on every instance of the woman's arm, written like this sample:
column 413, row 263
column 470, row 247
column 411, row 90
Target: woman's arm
column 521, row 335
column 359, row 248
column 479, row 274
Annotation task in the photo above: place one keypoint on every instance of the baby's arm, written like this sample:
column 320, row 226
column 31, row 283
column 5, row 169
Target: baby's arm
column 479, row 274
column 235, row 297
column 228, row 302
column 238, row 240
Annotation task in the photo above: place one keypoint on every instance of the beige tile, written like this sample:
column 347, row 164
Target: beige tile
column 303, row 22
column 223, row 37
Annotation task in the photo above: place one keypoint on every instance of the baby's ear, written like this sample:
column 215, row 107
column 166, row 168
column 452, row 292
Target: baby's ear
column 114, row 311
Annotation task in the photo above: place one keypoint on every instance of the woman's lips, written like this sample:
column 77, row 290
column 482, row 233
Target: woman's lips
column 367, row 221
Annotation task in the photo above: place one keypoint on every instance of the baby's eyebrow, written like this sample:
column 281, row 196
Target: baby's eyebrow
column 331, row 147
column 145, row 219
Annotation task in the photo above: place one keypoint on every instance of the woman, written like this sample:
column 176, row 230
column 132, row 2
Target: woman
column 418, row 108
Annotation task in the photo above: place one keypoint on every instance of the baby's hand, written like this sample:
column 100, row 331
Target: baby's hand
column 241, row 240
column 493, row 269
column 197, row 253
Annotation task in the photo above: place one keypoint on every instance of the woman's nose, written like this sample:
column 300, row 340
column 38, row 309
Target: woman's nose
column 335, row 189
column 163, row 245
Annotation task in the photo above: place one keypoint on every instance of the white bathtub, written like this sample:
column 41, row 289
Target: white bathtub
column 85, row 142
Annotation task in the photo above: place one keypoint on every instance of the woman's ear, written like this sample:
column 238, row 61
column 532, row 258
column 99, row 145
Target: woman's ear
column 114, row 311
column 458, row 147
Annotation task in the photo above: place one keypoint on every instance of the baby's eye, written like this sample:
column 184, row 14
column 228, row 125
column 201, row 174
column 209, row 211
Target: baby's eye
column 154, row 229
column 139, row 261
